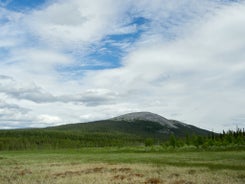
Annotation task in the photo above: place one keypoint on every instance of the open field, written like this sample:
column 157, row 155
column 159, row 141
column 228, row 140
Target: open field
column 104, row 166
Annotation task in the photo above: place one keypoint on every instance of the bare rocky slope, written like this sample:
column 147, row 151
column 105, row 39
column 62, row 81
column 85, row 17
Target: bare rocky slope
column 146, row 116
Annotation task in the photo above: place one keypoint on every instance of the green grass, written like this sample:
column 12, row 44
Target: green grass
column 31, row 166
column 213, row 160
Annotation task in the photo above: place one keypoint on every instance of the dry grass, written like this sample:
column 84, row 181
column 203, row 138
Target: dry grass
column 122, row 168
column 102, row 173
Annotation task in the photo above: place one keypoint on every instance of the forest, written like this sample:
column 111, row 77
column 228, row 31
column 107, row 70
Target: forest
column 35, row 139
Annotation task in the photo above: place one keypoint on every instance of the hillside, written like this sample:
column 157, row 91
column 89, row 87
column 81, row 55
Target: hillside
column 141, row 124
column 126, row 130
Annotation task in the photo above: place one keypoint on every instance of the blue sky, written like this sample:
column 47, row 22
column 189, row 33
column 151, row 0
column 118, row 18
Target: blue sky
column 22, row 5
column 77, row 61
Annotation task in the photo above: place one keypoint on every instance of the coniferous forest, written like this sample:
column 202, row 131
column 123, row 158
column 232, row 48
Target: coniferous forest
column 32, row 139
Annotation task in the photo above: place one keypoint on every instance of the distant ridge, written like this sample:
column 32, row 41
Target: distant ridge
column 132, row 129
column 140, row 124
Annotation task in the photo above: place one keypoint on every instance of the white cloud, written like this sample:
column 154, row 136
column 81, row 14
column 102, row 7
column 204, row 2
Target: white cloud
column 33, row 93
column 10, row 35
column 37, row 61
column 49, row 120
column 12, row 115
column 74, row 24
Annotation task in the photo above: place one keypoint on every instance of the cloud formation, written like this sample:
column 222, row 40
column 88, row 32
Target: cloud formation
column 31, row 92
column 68, row 62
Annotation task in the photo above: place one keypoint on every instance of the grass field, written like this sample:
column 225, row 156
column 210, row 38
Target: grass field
column 108, row 165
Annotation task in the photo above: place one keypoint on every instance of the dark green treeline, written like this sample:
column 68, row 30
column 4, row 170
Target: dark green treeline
column 30, row 139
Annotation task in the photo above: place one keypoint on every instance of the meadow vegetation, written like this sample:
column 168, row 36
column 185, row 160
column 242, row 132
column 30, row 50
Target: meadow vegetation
column 112, row 165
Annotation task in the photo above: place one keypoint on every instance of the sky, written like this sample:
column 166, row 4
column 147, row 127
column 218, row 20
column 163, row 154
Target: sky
column 76, row 61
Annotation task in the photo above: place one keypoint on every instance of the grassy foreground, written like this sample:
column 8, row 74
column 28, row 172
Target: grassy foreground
column 107, row 165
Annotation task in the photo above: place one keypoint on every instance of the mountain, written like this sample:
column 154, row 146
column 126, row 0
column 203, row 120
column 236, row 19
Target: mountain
column 140, row 124
column 125, row 130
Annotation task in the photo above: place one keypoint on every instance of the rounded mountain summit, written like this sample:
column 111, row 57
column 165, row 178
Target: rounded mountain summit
column 140, row 124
